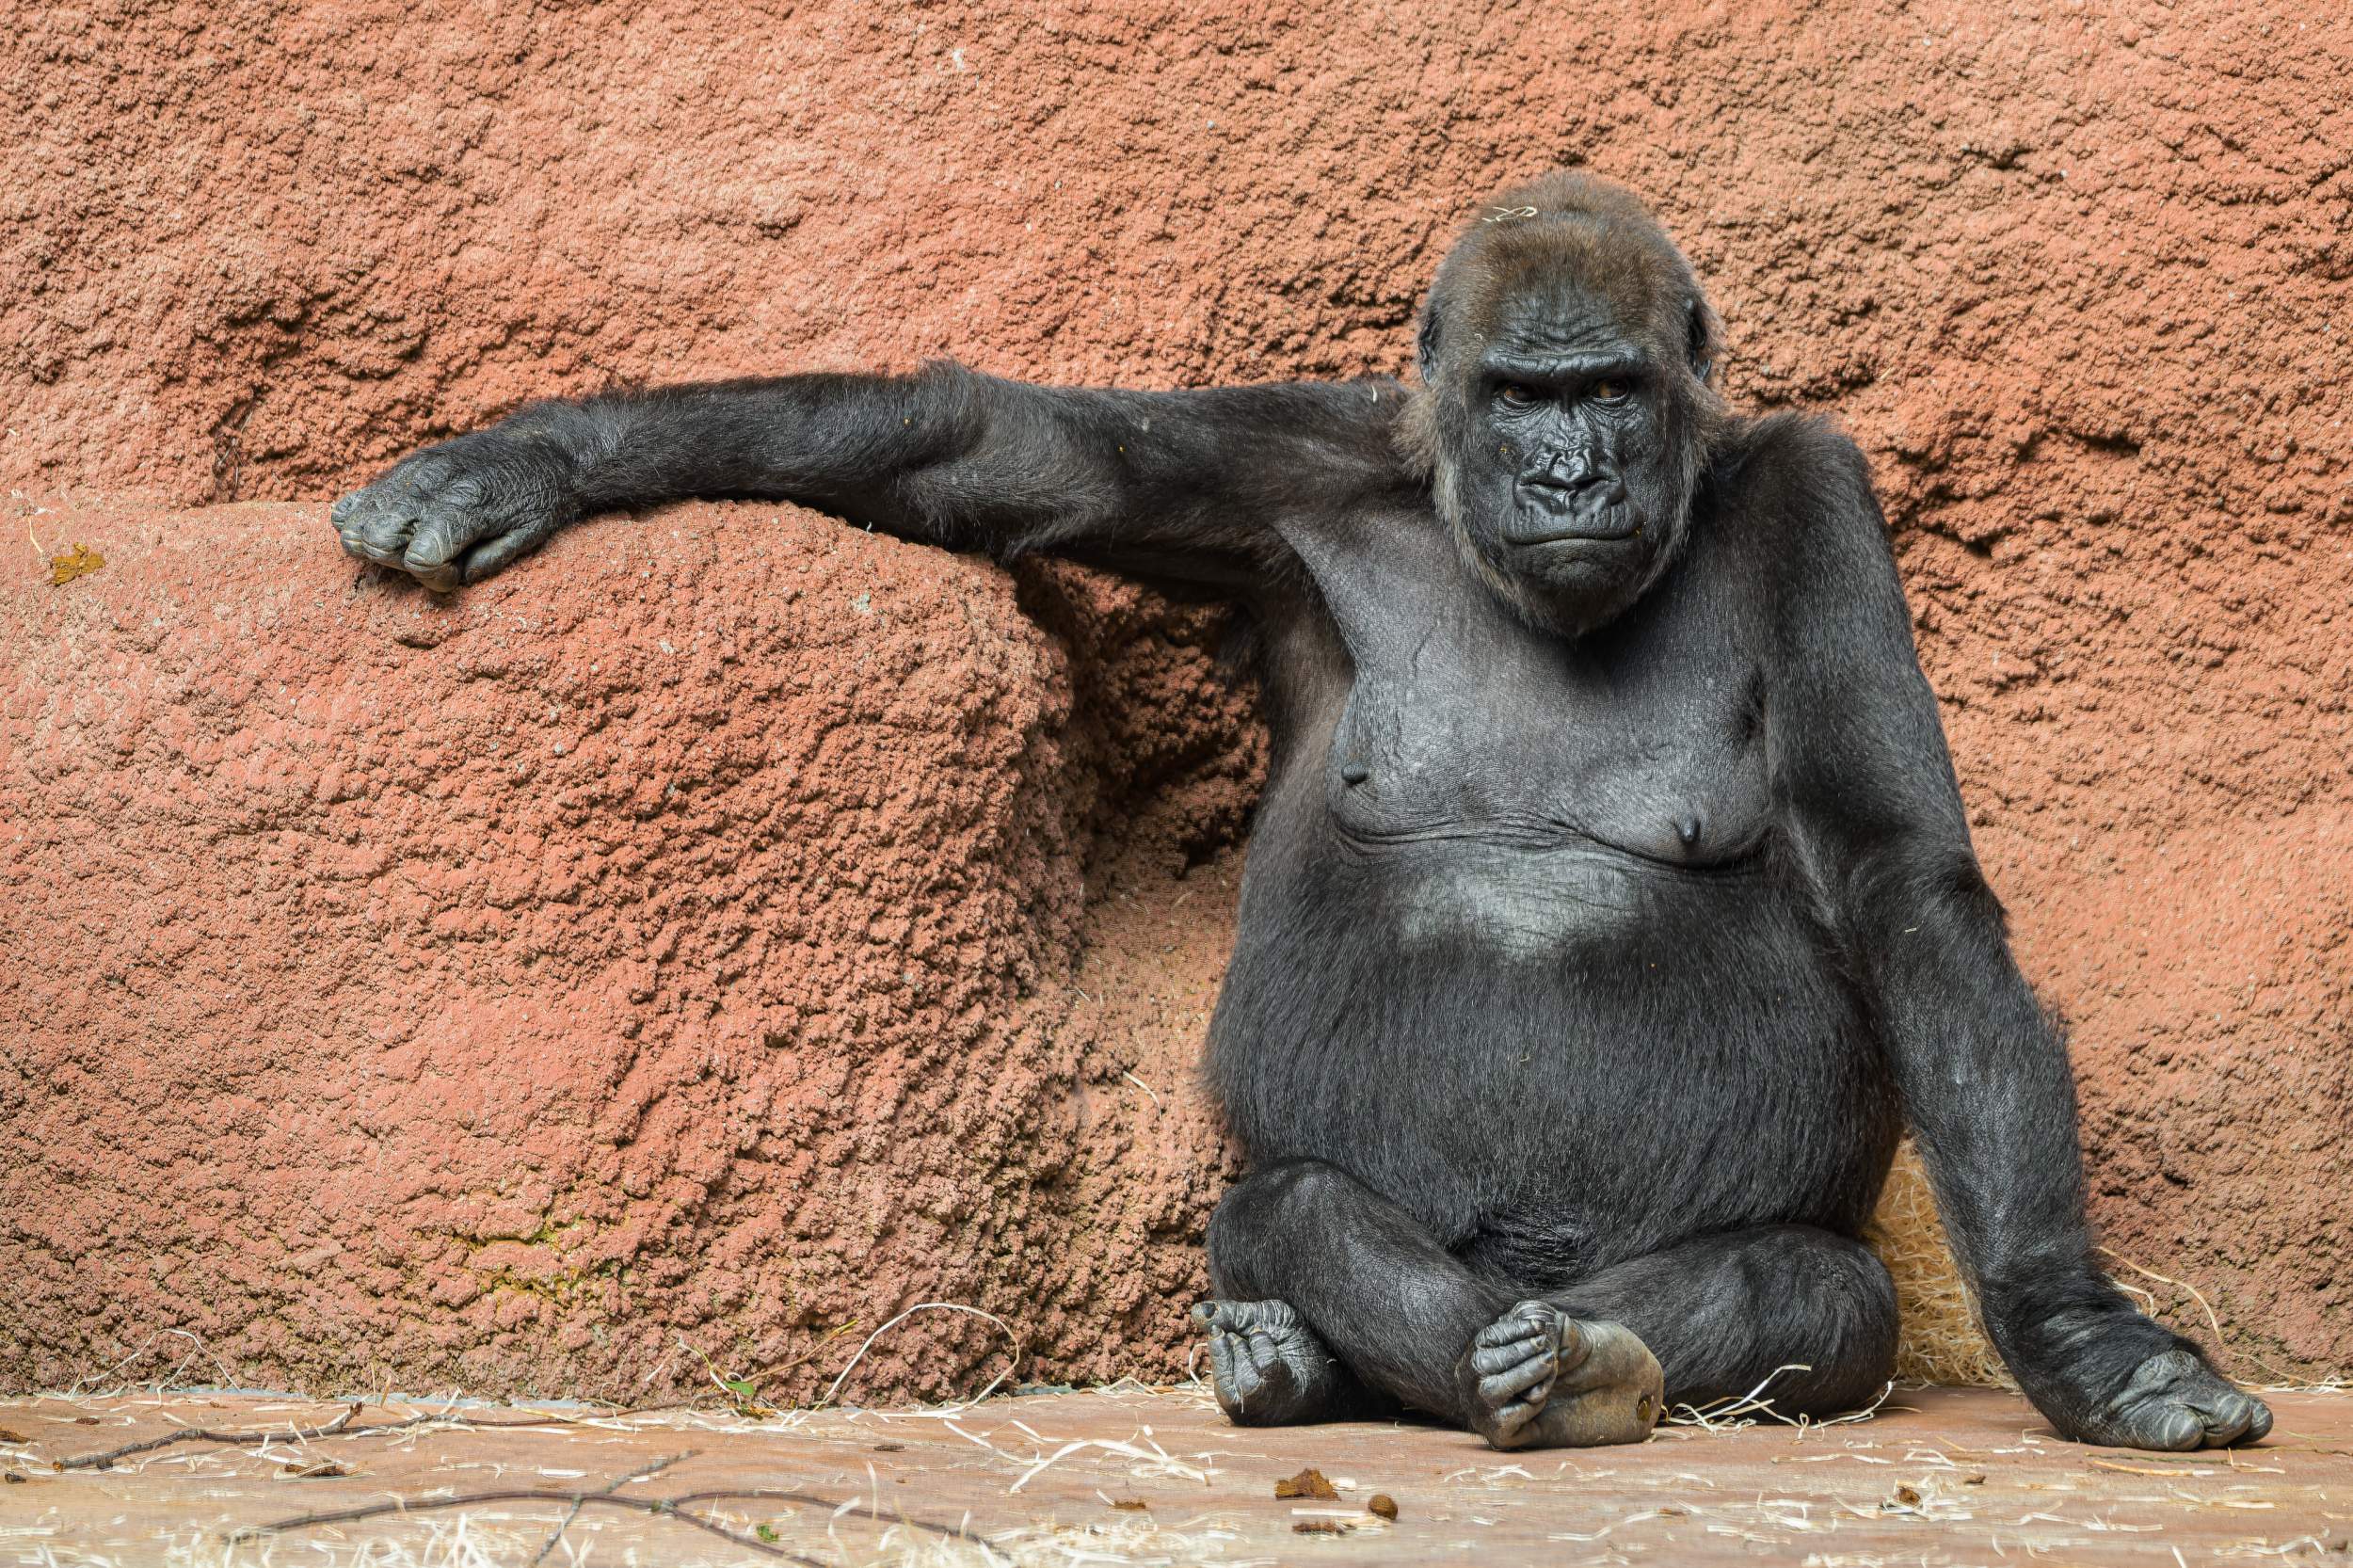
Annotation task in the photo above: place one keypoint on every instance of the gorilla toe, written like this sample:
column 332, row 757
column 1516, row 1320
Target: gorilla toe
column 1537, row 1379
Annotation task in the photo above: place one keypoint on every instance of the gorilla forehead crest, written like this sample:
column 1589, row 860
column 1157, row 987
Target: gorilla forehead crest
column 1566, row 247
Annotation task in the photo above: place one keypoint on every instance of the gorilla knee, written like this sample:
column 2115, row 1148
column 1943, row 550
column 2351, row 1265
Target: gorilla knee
column 1266, row 1209
column 1859, row 1300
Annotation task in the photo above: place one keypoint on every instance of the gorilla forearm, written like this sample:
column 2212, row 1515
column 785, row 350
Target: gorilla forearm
column 1985, row 1082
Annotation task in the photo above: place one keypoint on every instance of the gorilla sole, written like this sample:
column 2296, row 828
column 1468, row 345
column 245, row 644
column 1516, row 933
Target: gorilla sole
column 1611, row 903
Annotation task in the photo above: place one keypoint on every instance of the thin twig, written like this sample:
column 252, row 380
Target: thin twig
column 341, row 1426
column 561, row 1526
column 659, row 1508
column 206, row 1434
column 643, row 1472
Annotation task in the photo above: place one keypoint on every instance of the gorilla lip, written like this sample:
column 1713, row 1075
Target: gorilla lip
column 1600, row 525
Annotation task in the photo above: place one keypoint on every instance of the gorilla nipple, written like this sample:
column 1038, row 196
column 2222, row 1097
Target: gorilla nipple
column 1688, row 829
column 1354, row 772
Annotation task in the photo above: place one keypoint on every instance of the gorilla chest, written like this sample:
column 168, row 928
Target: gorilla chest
column 1463, row 725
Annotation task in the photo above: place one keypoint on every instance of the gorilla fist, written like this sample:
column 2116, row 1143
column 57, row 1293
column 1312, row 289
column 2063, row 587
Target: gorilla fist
column 455, row 513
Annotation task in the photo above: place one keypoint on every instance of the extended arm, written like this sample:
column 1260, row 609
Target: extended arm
column 1859, row 756
column 1188, row 485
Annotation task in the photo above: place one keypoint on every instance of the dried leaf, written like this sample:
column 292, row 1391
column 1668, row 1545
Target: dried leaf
column 78, row 561
column 1321, row 1526
column 1382, row 1504
column 316, row 1469
column 10, row 1435
column 1307, row 1483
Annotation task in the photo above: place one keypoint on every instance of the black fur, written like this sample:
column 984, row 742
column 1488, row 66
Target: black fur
column 1612, row 901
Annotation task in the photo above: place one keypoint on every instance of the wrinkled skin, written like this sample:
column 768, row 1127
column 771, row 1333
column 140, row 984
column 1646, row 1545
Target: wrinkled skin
column 1612, row 902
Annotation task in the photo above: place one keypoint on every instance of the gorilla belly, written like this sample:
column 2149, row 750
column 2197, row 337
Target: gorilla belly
column 1555, row 1054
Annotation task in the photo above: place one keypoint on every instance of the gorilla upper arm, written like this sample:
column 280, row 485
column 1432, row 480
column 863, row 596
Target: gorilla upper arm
column 1855, row 742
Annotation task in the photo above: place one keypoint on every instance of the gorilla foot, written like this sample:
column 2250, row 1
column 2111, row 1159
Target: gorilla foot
column 1267, row 1366
column 1535, row 1379
column 2176, row 1401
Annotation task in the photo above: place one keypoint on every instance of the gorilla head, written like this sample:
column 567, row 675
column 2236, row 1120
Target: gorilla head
column 1564, row 413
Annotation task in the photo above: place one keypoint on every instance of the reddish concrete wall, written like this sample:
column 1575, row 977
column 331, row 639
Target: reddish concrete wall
column 324, row 1037
column 675, row 940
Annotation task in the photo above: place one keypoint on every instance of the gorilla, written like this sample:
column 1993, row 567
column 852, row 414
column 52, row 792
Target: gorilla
column 1610, row 906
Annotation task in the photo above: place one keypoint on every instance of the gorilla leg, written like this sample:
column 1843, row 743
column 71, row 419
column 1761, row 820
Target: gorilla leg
column 1339, row 1303
column 1348, row 1275
column 1722, row 1313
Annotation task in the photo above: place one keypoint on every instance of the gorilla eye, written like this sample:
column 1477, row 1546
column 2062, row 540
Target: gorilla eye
column 1515, row 396
column 1606, row 391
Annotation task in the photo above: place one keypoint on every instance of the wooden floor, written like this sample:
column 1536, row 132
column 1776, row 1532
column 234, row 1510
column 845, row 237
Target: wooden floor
column 1938, row 1476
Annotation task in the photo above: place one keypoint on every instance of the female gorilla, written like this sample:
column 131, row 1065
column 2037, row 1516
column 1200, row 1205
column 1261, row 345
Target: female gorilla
column 1611, row 900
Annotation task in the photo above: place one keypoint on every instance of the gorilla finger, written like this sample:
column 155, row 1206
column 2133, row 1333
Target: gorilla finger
column 2176, row 1429
column 495, row 555
column 1222, row 1357
column 1486, row 1359
column 384, row 537
column 2230, row 1418
column 1526, row 1320
column 452, row 528
column 1516, row 1381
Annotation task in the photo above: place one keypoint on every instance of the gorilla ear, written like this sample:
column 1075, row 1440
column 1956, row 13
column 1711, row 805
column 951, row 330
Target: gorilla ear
column 1700, row 338
column 1426, row 345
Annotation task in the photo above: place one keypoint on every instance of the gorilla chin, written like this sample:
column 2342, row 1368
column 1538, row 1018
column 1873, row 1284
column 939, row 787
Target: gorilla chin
column 1570, row 575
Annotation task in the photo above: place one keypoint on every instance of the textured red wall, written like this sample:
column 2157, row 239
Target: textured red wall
column 320, row 1034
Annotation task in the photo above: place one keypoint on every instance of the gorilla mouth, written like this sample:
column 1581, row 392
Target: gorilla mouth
column 1552, row 514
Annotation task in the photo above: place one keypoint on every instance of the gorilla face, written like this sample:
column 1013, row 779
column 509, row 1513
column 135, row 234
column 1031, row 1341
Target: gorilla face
column 1570, row 500
column 1564, row 411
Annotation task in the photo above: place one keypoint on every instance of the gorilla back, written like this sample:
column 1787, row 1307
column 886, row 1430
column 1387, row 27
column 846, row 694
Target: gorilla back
column 1612, row 889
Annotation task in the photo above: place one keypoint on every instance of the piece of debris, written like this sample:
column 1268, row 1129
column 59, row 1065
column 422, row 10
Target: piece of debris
column 11, row 1478
column 889, row 1447
column 316, row 1469
column 1131, row 1505
column 10, row 1435
column 1321, row 1526
column 78, row 561
column 1307, row 1483
column 1382, row 1504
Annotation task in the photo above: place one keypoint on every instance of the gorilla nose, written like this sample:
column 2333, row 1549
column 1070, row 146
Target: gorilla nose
column 1583, row 491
